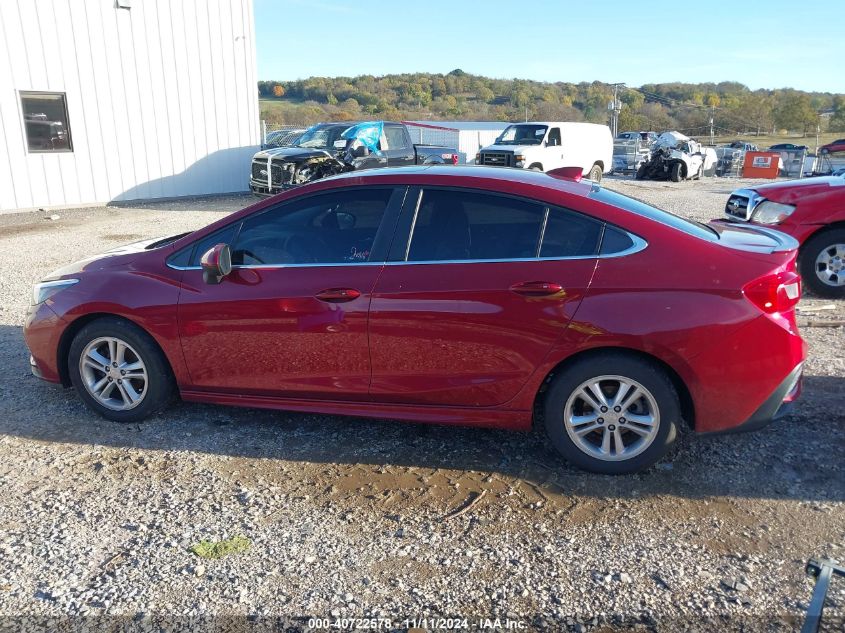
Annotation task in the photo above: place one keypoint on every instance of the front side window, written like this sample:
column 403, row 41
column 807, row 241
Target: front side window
column 463, row 225
column 331, row 228
column 46, row 121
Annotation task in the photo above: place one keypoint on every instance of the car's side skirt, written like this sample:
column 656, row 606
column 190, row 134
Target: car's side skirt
column 459, row 416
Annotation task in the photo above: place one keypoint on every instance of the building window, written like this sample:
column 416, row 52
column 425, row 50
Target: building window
column 46, row 121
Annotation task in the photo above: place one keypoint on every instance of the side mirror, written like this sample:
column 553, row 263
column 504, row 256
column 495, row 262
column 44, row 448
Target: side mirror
column 361, row 151
column 216, row 263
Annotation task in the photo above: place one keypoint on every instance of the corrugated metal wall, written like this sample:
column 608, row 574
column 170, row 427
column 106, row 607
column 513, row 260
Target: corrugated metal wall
column 162, row 98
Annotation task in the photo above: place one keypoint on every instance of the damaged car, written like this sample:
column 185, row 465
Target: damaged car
column 327, row 149
column 677, row 157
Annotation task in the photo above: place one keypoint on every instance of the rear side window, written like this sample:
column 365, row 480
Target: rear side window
column 464, row 225
column 569, row 234
column 615, row 241
column 658, row 215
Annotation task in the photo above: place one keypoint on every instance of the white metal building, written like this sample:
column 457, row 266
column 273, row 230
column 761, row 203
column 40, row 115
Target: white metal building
column 467, row 136
column 104, row 100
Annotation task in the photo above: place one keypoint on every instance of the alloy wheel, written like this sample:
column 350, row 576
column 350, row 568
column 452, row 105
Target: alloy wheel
column 612, row 418
column 113, row 373
column 830, row 265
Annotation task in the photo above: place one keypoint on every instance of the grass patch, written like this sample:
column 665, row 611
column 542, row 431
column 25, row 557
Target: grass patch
column 766, row 140
column 219, row 549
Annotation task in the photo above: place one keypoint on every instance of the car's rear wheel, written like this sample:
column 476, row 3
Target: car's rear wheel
column 118, row 370
column 612, row 414
column 822, row 263
column 595, row 173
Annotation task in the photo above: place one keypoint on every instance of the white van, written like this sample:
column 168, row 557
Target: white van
column 547, row 145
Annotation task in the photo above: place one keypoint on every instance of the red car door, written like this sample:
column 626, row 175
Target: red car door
column 291, row 318
column 484, row 286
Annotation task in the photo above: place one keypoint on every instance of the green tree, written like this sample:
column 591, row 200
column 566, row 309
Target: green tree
column 485, row 94
column 794, row 112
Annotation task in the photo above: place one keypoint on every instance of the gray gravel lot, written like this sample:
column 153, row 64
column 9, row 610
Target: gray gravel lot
column 350, row 517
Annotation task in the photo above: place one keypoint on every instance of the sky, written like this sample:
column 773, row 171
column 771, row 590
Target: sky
column 771, row 44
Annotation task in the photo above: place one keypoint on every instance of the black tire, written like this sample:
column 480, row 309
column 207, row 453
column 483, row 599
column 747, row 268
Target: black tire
column 536, row 167
column 810, row 251
column 640, row 175
column 675, row 173
column 159, row 387
column 649, row 376
column 595, row 173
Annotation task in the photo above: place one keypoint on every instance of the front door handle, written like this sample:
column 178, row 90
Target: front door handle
column 537, row 288
column 338, row 295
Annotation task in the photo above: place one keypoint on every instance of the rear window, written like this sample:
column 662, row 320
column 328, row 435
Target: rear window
column 653, row 213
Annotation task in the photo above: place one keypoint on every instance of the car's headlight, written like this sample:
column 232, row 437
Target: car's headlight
column 768, row 212
column 46, row 289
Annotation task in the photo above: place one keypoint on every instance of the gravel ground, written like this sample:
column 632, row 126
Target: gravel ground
column 353, row 518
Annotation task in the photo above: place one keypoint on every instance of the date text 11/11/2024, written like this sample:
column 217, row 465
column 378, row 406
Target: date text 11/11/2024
column 424, row 623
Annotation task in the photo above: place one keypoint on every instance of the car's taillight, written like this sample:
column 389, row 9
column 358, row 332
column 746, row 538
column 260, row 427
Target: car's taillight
column 779, row 292
column 454, row 159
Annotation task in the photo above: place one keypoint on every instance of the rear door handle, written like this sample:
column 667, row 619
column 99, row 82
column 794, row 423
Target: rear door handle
column 338, row 295
column 536, row 288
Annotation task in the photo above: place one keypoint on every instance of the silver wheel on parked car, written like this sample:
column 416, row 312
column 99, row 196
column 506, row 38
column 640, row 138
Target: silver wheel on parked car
column 113, row 373
column 830, row 265
column 821, row 262
column 611, row 418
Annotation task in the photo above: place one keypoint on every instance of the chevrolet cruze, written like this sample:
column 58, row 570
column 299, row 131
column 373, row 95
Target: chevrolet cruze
column 470, row 295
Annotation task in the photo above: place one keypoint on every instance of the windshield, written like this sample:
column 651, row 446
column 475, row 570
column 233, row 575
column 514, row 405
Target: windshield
column 320, row 137
column 522, row 134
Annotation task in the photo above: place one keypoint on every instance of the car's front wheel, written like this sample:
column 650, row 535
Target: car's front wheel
column 676, row 174
column 822, row 263
column 595, row 173
column 612, row 414
column 118, row 370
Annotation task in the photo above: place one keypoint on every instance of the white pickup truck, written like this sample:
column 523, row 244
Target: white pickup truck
column 548, row 145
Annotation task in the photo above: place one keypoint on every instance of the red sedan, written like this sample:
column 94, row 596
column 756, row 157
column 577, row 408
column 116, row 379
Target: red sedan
column 812, row 210
column 468, row 295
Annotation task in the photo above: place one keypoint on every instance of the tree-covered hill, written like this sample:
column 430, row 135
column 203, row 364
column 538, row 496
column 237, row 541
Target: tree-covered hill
column 459, row 95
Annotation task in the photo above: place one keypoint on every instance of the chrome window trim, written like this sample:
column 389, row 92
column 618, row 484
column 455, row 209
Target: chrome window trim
column 546, row 212
column 265, row 266
column 413, row 225
column 639, row 244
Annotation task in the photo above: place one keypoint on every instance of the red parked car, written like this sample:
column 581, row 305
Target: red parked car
column 835, row 146
column 812, row 211
column 474, row 296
